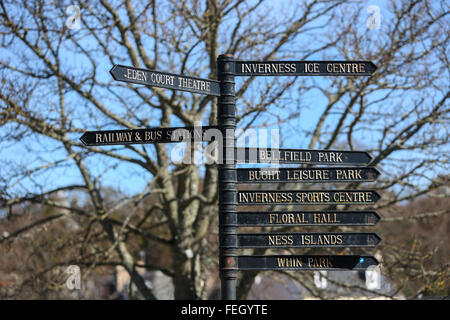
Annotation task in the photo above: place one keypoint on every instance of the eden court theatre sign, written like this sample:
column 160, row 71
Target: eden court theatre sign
column 165, row 80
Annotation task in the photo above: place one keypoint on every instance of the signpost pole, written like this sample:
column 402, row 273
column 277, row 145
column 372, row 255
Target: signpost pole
column 226, row 118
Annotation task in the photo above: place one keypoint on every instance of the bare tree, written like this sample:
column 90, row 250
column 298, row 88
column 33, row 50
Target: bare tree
column 55, row 85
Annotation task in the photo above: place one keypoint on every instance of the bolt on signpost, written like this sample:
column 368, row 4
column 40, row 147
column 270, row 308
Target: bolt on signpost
column 228, row 176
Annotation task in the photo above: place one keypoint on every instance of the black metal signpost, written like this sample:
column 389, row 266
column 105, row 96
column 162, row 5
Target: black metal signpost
column 165, row 80
column 228, row 176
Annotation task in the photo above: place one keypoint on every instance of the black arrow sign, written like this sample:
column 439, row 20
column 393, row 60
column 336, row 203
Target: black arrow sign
column 150, row 135
column 261, row 197
column 299, row 175
column 302, row 240
column 165, row 80
column 304, row 68
column 294, row 156
column 307, row 262
column 307, row 218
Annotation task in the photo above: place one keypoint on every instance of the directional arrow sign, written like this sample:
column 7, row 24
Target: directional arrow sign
column 295, row 262
column 307, row 218
column 292, row 156
column 165, row 80
column 304, row 68
column 150, row 135
column 299, row 175
column 302, row 240
column 261, row 197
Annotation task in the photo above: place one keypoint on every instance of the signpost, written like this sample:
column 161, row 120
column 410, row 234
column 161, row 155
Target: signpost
column 307, row 262
column 294, row 156
column 165, row 80
column 228, row 176
column 150, row 135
